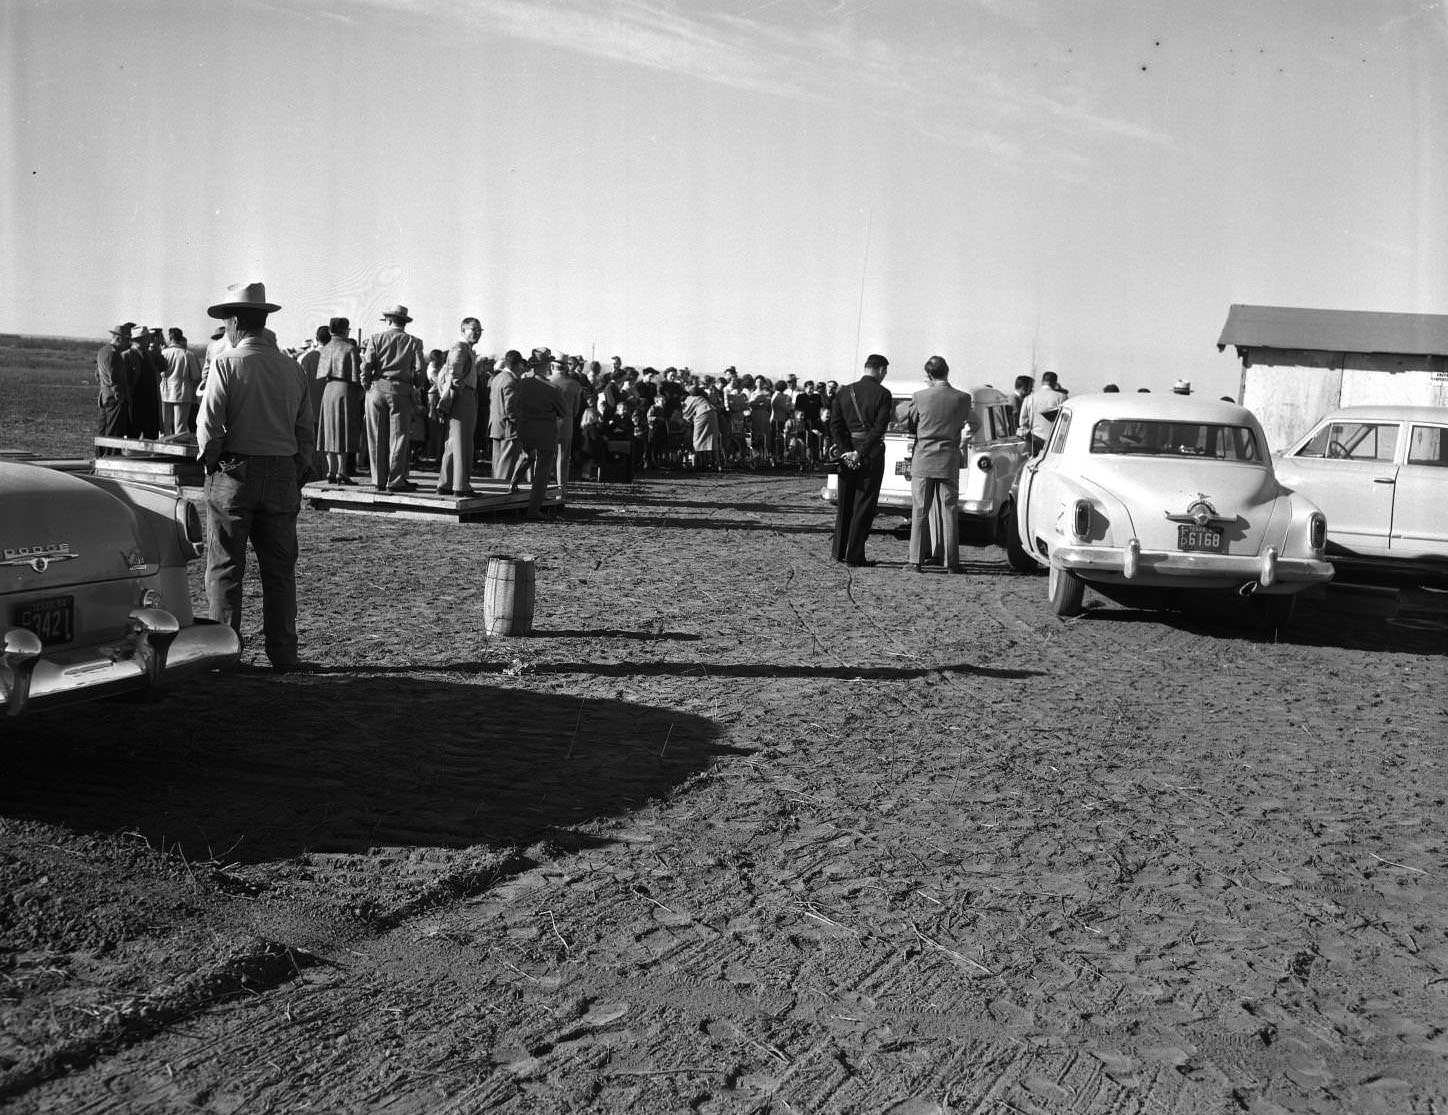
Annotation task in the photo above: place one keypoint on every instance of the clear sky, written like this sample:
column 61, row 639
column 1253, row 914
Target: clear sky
column 781, row 185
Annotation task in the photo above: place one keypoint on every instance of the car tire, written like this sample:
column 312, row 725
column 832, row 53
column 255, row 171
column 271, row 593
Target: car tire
column 1273, row 612
column 1066, row 591
column 1009, row 537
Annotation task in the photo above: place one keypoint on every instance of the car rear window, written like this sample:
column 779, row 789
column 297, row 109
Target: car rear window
column 1428, row 446
column 1149, row 438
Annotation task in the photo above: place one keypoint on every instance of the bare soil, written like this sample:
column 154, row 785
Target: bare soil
column 738, row 830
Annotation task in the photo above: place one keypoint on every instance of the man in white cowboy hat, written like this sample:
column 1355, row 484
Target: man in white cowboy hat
column 394, row 372
column 254, row 435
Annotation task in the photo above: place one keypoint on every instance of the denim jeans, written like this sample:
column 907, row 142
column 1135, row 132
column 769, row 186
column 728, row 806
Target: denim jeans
column 261, row 507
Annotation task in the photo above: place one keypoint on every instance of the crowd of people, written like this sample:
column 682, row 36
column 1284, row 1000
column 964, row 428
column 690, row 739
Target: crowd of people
column 624, row 419
column 264, row 418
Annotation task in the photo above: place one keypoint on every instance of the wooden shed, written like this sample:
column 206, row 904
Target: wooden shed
column 1298, row 364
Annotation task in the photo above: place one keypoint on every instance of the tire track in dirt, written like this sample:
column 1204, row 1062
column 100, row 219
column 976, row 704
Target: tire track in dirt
column 795, row 927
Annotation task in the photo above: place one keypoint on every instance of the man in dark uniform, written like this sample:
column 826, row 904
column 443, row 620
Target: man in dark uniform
column 114, row 399
column 859, row 417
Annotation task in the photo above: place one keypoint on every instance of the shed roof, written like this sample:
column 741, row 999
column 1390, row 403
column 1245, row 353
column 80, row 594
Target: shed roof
column 1365, row 331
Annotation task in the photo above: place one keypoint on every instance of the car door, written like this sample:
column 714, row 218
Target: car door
column 1420, row 495
column 1347, row 467
column 1040, row 492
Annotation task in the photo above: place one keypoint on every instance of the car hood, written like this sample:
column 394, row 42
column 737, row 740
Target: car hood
column 1152, row 489
column 58, row 530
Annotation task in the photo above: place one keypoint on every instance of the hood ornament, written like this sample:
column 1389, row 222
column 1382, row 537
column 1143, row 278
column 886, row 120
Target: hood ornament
column 1200, row 512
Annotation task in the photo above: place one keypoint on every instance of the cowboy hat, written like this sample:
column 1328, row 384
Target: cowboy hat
column 243, row 296
column 396, row 313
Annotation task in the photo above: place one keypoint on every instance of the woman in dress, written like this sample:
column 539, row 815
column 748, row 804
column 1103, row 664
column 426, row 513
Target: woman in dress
column 760, row 414
column 340, row 430
column 705, row 419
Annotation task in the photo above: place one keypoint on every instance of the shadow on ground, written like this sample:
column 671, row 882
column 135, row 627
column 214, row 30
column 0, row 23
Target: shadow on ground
column 709, row 669
column 242, row 768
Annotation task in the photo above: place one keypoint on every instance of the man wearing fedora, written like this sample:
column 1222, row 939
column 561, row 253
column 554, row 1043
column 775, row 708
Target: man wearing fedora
column 539, row 409
column 254, row 435
column 394, row 372
column 114, row 398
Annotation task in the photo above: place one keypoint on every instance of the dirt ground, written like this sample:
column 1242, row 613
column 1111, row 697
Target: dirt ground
column 739, row 830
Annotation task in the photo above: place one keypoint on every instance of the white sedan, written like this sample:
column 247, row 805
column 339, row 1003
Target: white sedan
column 1171, row 492
column 1381, row 476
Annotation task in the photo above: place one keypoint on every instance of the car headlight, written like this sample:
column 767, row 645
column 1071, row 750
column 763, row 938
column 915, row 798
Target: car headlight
column 152, row 598
column 984, row 463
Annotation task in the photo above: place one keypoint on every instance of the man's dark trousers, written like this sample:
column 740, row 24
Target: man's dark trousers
column 859, row 492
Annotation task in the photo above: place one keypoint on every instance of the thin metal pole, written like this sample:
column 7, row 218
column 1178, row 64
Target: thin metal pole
column 864, row 264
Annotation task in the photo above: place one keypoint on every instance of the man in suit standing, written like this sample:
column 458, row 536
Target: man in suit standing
column 937, row 417
column 503, row 417
column 394, row 369
column 1039, row 410
column 571, row 392
column 859, row 417
column 459, row 389
column 539, row 408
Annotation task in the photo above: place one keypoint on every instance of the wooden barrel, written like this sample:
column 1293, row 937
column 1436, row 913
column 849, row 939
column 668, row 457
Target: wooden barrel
column 508, row 595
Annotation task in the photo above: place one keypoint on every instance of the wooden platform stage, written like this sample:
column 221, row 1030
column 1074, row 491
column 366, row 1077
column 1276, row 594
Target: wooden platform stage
column 491, row 499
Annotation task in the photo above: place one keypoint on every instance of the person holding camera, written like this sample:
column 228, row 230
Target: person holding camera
column 859, row 417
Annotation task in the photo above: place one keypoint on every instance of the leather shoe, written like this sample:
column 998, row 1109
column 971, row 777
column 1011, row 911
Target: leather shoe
column 955, row 569
column 402, row 486
column 861, row 564
column 915, row 567
column 296, row 668
column 345, row 480
column 444, row 491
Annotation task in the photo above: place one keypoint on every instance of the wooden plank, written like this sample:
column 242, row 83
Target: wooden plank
column 490, row 497
column 148, row 447
column 150, row 470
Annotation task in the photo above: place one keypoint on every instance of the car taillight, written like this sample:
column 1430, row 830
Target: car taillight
column 984, row 463
column 1081, row 519
column 1317, row 531
column 152, row 598
column 190, row 529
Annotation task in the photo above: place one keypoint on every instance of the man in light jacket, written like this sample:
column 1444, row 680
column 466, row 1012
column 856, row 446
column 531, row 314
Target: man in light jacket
column 940, row 418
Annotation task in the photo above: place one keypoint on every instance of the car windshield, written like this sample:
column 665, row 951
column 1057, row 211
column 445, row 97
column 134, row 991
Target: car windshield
column 1153, row 438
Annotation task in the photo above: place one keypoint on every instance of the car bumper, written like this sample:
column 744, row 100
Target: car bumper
column 1268, row 571
column 155, row 650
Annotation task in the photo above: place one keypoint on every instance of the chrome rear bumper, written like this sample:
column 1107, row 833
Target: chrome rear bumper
column 155, row 650
column 1269, row 571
